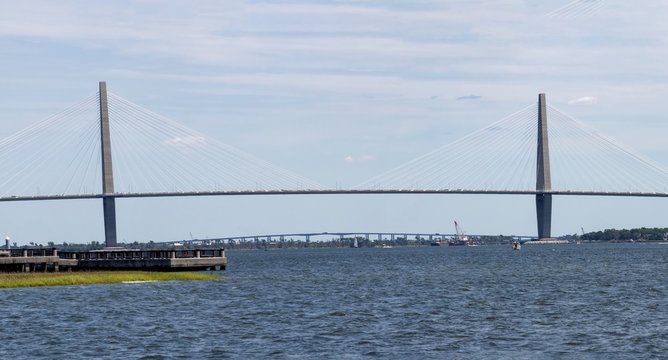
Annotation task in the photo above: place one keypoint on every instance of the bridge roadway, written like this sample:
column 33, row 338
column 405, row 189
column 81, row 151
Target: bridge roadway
column 324, row 192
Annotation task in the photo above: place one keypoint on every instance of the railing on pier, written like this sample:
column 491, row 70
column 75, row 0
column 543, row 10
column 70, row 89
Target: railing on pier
column 28, row 252
column 130, row 254
column 50, row 259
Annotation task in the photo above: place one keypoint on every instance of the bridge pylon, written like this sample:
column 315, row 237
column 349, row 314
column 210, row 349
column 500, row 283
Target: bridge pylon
column 543, row 178
column 108, row 199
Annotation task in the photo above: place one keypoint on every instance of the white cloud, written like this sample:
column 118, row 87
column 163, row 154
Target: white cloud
column 585, row 100
column 361, row 158
column 186, row 141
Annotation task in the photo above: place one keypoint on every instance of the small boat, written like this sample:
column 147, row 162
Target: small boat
column 439, row 243
column 516, row 245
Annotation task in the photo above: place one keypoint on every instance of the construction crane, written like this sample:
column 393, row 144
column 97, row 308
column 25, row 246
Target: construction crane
column 461, row 236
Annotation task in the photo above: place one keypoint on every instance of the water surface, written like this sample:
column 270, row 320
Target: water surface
column 548, row 301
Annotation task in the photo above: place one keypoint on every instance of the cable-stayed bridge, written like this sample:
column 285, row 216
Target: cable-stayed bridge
column 70, row 156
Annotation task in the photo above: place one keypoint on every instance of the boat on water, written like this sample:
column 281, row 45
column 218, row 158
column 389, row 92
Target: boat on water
column 516, row 245
column 461, row 243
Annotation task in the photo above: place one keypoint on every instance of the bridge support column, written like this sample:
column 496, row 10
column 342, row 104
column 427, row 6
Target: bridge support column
column 109, row 210
column 543, row 177
column 108, row 201
column 544, row 215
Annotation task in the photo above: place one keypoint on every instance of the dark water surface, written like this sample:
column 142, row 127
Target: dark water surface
column 549, row 301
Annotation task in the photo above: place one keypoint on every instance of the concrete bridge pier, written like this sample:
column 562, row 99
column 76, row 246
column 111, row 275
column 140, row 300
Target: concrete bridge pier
column 108, row 201
column 543, row 177
column 544, row 215
column 109, row 212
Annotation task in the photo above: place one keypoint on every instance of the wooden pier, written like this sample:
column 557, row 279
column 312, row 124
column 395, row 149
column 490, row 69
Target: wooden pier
column 29, row 260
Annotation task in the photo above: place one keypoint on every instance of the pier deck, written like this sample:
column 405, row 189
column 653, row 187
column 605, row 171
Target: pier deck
column 27, row 260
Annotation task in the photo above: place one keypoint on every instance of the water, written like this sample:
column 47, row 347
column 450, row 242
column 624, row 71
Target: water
column 551, row 301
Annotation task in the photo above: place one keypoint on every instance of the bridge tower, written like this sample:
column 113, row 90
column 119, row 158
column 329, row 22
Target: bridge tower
column 108, row 199
column 543, row 179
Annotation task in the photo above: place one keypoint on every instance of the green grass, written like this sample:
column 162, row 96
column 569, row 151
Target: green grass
column 13, row 280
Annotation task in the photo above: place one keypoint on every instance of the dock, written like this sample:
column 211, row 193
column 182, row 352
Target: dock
column 44, row 260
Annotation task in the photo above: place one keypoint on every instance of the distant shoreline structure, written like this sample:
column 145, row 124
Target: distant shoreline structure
column 547, row 242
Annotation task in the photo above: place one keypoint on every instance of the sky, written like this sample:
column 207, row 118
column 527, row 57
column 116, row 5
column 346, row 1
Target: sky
column 338, row 91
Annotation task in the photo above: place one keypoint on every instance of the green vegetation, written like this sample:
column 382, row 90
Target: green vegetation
column 641, row 234
column 12, row 280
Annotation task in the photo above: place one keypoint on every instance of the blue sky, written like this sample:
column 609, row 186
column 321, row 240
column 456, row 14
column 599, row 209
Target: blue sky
column 338, row 91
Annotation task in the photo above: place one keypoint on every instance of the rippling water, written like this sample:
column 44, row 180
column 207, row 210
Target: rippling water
column 559, row 301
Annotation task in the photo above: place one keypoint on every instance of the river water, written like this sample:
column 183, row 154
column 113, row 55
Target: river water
column 545, row 301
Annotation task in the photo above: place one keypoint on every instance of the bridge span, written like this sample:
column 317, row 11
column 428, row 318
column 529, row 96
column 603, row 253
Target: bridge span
column 325, row 192
column 368, row 235
column 424, row 171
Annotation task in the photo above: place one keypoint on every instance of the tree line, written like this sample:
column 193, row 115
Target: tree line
column 639, row 234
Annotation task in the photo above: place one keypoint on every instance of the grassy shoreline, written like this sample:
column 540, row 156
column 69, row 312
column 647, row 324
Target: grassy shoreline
column 15, row 280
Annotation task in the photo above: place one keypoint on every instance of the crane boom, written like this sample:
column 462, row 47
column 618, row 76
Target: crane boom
column 460, row 232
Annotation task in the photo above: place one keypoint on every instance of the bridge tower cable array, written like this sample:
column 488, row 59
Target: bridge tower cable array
column 153, row 156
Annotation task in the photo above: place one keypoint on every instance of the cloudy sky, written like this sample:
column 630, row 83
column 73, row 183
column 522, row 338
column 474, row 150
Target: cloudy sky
column 338, row 91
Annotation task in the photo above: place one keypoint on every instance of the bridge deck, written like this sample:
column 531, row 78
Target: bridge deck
column 324, row 192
